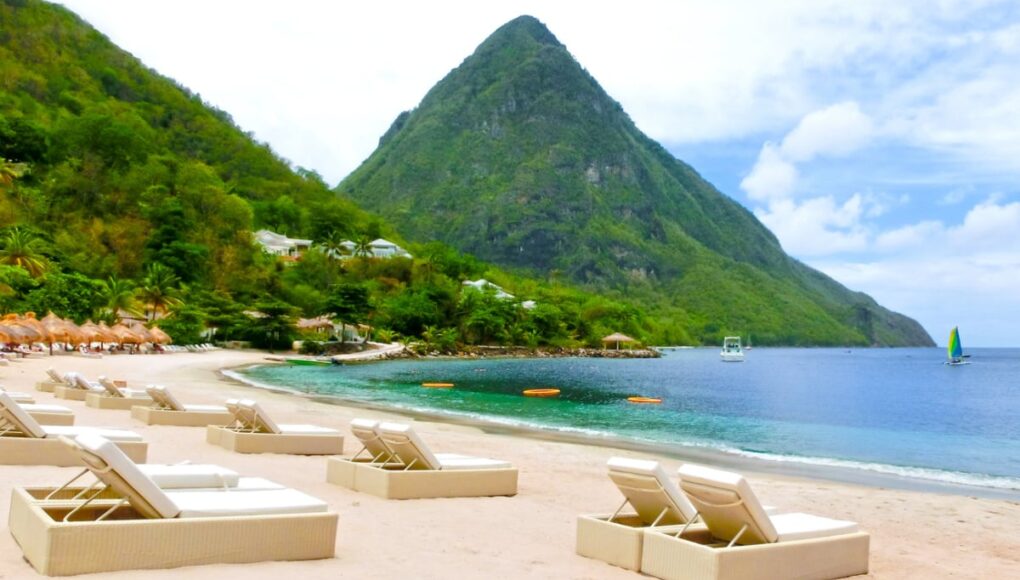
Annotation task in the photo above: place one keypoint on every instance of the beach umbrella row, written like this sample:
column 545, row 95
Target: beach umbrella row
column 27, row 329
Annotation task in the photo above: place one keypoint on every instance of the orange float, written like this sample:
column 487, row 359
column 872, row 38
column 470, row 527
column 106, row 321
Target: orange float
column 644, row 400
column 437, row 385
column 542, row 393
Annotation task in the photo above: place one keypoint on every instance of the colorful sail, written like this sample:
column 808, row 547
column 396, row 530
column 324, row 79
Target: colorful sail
column 955, row 349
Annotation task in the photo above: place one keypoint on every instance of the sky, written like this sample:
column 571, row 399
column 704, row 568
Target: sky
column 879, row 141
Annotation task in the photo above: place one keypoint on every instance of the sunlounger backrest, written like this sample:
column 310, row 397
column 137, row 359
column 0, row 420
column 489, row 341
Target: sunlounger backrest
column 12, row 412
column 164, row 398
column 258, row 417
column 648, row 490
column 111, row 389
column 55, row 376
column 727, row 504
column 407, row 446
column 367, row 431
column 111, row 466
column 81, row 383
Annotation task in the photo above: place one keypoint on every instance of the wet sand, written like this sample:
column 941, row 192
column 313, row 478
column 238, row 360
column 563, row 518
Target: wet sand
column 914, row 534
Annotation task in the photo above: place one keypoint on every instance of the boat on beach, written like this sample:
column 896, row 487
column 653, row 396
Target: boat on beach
column 731, row 350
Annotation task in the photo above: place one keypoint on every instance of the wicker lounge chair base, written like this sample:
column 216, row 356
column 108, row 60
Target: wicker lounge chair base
column 617, row 542
column 152, row 416
column 124, row 540
column 51, row 451
column 296, row 444
column 104, row 401
column 696, row 555
column 47, row 386
column 70, row 393
column 47, row 418
column 397, row 483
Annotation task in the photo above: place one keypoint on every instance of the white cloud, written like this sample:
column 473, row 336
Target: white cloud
column 909, row 237
column 771, row 177
column 834, row 131
column 818, row 226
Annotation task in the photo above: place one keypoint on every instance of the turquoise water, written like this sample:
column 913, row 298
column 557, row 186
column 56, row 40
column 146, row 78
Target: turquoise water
column 894, row 411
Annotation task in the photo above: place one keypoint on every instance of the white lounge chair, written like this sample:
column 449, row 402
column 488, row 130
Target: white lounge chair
column 256, row 432
column 166, row 409
column 112, row 396
column 134, row 524
column 656, row 501
column 739, row 540
column 53, row 380
column 23, row 441
column 77, row 388
column 44, row 414
column 413, row 471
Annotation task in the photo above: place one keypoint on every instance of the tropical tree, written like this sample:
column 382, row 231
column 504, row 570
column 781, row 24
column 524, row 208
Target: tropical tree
column 120, row 295
column 23, row 248
column 333, row 245
column 160, row 289
column 363, row 246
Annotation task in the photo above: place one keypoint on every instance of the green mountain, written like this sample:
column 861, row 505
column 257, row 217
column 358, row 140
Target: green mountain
column 122, row 190
column 519, row 157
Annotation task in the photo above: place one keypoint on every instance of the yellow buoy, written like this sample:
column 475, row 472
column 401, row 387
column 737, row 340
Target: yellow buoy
column 437, row 385
column 644, row 400
column 541, row 392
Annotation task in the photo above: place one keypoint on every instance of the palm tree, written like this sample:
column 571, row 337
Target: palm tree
column 160, row 289
column 333, row 245
column 119, row 295
column 363, row 246
column 22, row 248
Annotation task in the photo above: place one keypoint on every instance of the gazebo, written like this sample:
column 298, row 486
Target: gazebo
column 616, row 338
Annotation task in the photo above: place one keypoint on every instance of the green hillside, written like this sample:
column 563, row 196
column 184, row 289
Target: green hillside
column 121, row 190
column 519, row 157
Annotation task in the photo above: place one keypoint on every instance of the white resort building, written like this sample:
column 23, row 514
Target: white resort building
column 281, row 245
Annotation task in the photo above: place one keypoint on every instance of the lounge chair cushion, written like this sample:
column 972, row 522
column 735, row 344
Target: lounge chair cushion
column 462, row 463
column 12, row 411
column 189, row 475
column 726, row 503
column 82, row 383
column 306, row 430
column 52, row 409
column 21, row 398
column 55, row 376
column 258, row 416
column 205, row 408
column 199, row 504
column 798, row 526
column 649, row 491
column 408, row 446
column 110, row 434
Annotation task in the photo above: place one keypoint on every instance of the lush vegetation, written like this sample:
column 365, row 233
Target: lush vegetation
column 121, row 191
column 521, row 158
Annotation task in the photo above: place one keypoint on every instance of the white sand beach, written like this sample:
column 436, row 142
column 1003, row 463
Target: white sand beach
column 913, row 534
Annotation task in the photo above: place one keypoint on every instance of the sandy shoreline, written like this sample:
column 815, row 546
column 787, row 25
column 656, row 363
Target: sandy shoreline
column 914, row 534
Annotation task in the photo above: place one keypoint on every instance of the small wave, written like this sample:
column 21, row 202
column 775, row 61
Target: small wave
column 926, row 473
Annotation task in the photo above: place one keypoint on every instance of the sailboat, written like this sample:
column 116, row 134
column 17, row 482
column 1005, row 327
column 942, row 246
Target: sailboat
column 955, row 349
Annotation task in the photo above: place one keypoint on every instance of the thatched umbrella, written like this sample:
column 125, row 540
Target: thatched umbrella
column 30, row 321
column 91, row 332
column 106, row 334
column 159, row 336
column 18, row 332
column 616, row 338
column 141, row 332
column 124, row 334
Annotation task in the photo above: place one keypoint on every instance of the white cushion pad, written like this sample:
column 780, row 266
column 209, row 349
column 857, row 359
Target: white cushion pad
column 204, row 504
column 111, row 434
column 306, row 430
column 23, row 398
column 189, row 476
column 205, row 408
column 243, row 484
column 472, row 463
column 798, row 526
column 54, row 409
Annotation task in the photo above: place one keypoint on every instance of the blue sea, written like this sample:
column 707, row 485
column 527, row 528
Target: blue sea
column 897, row 412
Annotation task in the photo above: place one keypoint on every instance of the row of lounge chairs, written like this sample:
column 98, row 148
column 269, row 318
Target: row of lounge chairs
column 138, row 515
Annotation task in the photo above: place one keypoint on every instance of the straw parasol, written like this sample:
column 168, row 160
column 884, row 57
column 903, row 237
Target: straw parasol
column 90, row 332
column 616, row 338
column 18, row 332
column 141, row 332
column 125, row 335
column 106, row 334
column 158, row 336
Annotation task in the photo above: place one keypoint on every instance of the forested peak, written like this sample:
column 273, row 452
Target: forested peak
column 523, row 30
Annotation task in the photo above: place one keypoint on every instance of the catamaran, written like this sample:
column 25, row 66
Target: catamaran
column 955, row 349
column 731, row 351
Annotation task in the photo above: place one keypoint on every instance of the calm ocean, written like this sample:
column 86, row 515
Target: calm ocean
column 898, row 412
